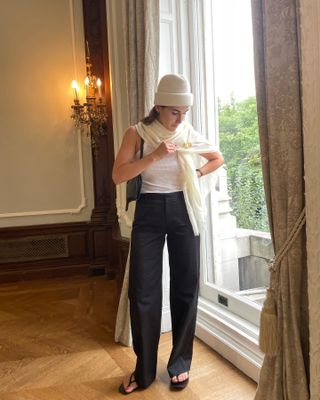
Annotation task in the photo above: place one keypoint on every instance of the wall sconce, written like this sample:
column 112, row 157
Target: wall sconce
column 92, row 113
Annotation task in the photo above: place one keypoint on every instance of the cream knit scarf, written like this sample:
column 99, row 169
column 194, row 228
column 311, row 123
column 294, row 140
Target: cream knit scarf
column 188, row 153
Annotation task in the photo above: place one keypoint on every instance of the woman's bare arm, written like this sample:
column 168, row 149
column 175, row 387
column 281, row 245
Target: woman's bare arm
column 215, row 160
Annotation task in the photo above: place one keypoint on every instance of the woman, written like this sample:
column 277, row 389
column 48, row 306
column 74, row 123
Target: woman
column 169, row 208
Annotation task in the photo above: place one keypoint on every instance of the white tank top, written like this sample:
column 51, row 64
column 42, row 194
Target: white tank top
column 163, row 176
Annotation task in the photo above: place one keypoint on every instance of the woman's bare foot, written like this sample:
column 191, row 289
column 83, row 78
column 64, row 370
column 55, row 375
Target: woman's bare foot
column 180, row 381
column 129, row 385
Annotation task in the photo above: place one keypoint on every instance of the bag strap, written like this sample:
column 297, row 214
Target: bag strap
column 141, row 148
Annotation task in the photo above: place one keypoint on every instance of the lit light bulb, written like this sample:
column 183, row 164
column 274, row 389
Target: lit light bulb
column 99, row 87
column 86, row 84
column 75, row 88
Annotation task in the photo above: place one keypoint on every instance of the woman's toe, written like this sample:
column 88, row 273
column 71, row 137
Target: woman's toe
column 130, row 384
column 183, row 377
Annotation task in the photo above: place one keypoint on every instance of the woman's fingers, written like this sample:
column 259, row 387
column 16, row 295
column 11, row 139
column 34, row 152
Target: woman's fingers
column 171, row 147
column 165, row 148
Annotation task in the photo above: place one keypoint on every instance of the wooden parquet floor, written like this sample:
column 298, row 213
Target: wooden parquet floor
column 56, row 343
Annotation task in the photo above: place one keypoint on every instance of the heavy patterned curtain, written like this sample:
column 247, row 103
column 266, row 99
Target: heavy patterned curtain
column 278, row 82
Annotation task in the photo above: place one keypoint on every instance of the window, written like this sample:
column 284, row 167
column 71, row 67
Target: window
column 233, row 274
column 210, row 41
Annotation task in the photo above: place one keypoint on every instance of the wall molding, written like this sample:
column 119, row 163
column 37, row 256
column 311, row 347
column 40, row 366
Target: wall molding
column 83, row 199
column 75, row 19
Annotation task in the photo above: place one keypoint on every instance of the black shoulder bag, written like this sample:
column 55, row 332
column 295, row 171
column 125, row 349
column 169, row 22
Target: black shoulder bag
column 133, row 188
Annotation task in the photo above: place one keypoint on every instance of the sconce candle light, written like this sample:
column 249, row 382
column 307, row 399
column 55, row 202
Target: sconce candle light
column 75, row 88
column 92, row 113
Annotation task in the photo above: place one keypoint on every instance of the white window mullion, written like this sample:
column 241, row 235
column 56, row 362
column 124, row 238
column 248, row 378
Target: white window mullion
column 210, row 112
column 193, row 44
column 169, row 55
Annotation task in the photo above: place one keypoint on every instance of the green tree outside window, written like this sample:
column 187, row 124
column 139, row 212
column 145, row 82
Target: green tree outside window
column 239, row 142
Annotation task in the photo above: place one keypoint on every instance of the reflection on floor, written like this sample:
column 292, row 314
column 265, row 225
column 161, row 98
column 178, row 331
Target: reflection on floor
column 56, row 343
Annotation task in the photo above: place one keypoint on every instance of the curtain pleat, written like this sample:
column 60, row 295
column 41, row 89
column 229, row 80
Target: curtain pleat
column 142, row 29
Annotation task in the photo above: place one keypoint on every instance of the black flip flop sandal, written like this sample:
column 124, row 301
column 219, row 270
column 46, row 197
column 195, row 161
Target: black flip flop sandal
column 122, row 388
column 179, row 385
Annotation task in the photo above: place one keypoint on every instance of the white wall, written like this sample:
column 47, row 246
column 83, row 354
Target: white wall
column 45, row 166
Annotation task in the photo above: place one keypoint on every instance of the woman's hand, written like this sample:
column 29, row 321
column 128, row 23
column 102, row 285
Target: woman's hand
column 164, row 149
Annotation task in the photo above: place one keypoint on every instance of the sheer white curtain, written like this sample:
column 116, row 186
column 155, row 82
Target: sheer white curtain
column 142, row 32
column 140, row 29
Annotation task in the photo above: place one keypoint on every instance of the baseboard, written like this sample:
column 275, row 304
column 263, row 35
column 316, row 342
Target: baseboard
column 44, row 273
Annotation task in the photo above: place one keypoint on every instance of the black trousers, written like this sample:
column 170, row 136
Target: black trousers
column 159, row 217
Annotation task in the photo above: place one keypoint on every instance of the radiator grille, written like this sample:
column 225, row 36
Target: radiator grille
column 33, row 248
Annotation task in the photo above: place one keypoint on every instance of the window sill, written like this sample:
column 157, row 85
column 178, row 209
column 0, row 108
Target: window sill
column 231, row 336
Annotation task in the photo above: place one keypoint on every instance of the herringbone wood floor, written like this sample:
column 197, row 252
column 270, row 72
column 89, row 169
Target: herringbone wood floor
column 56, row 343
